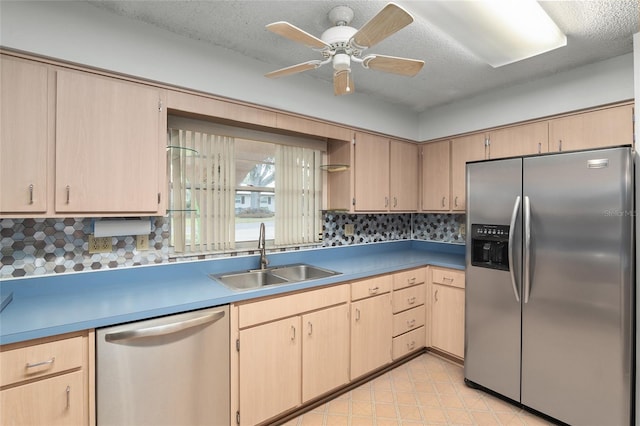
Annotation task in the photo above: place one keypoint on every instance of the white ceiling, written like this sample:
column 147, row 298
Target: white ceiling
column 596, row 30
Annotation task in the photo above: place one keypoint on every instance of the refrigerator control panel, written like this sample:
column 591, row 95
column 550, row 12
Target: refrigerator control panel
column 490, row 246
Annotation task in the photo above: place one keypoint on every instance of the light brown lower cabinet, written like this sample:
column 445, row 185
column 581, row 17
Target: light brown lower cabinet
column 370, row 334
column 285, row 362
column 447, row 311
column 48, row 382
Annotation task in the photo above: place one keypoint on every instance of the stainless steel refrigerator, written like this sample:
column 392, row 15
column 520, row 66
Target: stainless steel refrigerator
column 549, row 319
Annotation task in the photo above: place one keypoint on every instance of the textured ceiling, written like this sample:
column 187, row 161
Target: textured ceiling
column 596, row 30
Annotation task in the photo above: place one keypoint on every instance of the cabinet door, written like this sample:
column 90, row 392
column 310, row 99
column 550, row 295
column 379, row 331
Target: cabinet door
column 57, row 401
column 601, row 128
column 435, row 176
column 371, row 173
column 108, row 146
column 467, row 148
column 371, row 333
column 325, row 351
column 447, row 319
column 519, row 140
column 270, row 370
column 403, row 166
column 23, row 136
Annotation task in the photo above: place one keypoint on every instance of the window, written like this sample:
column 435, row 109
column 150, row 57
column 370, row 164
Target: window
column 222, row 188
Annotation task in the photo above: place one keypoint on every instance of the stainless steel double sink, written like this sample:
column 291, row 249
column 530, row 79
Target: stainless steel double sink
column 286, row 274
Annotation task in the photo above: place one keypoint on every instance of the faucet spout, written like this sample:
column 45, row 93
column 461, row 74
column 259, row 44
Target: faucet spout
column 261, row 246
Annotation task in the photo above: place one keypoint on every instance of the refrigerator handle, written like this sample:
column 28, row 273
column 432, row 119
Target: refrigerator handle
column 512, row 226
column 526, row 263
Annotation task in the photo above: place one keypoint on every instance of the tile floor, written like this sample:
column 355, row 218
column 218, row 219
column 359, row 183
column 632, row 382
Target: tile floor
column 427, row 390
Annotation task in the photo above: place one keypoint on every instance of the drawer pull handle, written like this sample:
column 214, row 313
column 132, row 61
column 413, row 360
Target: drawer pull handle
column 411, row 345
column 310, row 328
column 412, row 281
column 435, row 295
column 31, row 194
column 38, row 364
column 293, row 333
column 68, row 397
column 447, row 279
column 411, row 324
column 68, row 193
column 374, row 290
column 357, row 314
column 411, row 300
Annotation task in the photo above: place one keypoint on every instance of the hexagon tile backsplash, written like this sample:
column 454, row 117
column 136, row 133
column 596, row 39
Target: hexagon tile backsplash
column 48, row 246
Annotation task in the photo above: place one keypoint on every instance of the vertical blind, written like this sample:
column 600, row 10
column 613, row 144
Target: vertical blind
column 202, row 179
column 298, row 195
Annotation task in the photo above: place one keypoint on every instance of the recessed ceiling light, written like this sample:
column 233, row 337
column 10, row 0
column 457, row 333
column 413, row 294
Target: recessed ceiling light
column 499, row 32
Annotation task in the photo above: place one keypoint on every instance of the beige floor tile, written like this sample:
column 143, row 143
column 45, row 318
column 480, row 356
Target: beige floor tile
column 406, row 398
column 386, row 410
column 311, row 419
column 383, row 396
column 427, row 399
column 409, row 412
column 361, row 408
column 434, row 416
column 459, row 417
column 338, row 406
column 451, row 401
column 425, row 391
column 484, row 418
column 336, row 420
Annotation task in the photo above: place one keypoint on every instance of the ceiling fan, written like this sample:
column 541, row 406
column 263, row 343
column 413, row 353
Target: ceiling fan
column 342, row 44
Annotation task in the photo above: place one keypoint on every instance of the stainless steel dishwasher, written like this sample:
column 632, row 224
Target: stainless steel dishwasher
column 172, row 370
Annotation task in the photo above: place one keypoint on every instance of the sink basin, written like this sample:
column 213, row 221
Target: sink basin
column 249, row 279
column 256, row 278
column 302, row 272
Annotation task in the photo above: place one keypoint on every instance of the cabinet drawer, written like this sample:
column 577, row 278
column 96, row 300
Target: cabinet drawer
column 371, row 287
column 449, row 277
column 409, row 320
column 57, row 401
column 408, row 298
column 40, row 360
column 408, row 342
column 287, row 305
column 408, row 278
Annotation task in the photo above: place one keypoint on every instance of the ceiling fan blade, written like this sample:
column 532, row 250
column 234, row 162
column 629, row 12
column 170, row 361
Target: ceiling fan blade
column 392, row 64
column 389, row 20
column 294, row 69
column 343, row 83
column 294, row 33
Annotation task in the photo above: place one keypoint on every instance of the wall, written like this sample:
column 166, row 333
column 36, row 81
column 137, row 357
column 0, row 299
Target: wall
column 588, row 86
column 53, row 246
column 80, row 33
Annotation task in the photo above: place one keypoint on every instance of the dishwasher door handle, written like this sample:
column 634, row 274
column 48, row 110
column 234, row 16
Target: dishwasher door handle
column 163, row 329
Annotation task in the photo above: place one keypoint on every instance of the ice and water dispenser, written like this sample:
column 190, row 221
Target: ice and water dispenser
column 490, row 246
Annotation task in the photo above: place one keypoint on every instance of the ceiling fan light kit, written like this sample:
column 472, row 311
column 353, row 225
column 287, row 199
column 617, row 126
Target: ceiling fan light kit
column 342, row 44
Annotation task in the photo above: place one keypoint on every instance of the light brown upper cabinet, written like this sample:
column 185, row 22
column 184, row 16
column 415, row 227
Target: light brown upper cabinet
column 24, row 138
column 519, row 140
column 463, row 149
column 385, row 174
column 600, row 128
column 436, row 173
column 110, row 146
column 371, row 173
column 403, row 178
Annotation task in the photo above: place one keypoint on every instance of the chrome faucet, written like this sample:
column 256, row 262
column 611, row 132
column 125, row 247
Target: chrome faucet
column 261, row 246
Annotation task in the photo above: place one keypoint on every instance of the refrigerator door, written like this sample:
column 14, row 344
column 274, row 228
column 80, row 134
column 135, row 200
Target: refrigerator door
column 577, row 312
column 492, row 311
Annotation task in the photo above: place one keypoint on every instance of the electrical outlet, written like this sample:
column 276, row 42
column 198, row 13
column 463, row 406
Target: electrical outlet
column 463, row 230
column 142, row 242
column 349, row 229
column 99, row 244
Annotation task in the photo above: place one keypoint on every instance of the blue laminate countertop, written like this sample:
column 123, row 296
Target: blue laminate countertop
column 57, row 304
